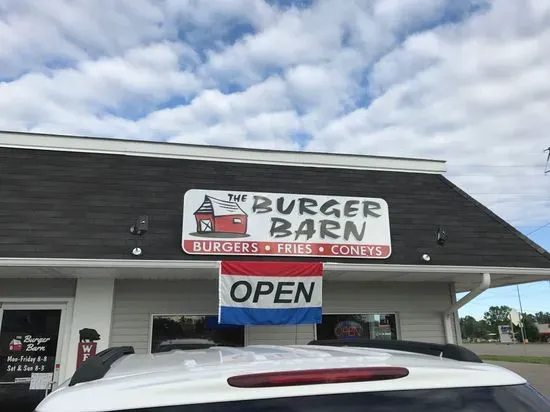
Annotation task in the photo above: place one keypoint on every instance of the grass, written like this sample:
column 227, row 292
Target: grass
column 542, row 360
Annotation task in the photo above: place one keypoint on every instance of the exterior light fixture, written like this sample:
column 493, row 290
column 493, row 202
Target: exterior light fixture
column 139, row 229
column 141, row 226
column 426, row 257
column 441, row 236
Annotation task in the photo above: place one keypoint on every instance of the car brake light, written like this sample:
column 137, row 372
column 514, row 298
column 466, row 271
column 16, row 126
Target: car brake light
column 316, row 376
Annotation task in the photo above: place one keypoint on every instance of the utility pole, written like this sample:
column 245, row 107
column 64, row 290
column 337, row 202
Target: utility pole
column 521, row 323
column 547, row 168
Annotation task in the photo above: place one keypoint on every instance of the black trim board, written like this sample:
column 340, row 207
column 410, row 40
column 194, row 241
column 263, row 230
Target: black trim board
column 448, row 350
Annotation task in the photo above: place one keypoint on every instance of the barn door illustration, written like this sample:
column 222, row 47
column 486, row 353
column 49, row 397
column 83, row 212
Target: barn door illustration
column 206, row 225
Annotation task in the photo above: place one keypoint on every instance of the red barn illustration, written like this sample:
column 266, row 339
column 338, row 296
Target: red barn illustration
column 16, row 345
column 220, row 216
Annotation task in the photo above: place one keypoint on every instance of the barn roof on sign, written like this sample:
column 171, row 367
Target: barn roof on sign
column 219, row 207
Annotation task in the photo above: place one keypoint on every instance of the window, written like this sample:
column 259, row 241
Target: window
column 371, row 326
column 192, row 332
column 519, row 398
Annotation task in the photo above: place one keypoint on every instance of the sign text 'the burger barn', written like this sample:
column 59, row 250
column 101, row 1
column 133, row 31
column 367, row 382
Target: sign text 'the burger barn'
column 245, row 223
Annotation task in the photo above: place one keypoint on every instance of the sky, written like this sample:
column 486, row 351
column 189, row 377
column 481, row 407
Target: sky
column 463, row 81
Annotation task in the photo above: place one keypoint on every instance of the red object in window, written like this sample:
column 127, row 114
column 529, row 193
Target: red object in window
column 317, row 377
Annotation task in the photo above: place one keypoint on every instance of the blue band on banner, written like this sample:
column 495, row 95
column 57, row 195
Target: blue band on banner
column 212, row 323
column 254, row 316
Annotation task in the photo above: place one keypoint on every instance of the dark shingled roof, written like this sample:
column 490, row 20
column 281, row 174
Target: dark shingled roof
column 80, row 205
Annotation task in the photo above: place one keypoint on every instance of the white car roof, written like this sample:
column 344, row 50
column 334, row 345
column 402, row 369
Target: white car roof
column 200, row 376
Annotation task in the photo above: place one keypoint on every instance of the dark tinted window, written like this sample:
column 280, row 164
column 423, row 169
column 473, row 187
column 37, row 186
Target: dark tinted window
column 521, row 398
column 192, row 332
column 370, row 326
column 28, row 345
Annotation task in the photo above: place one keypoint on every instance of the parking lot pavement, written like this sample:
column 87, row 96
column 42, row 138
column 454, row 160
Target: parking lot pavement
column 537, row 375
column 519, row 349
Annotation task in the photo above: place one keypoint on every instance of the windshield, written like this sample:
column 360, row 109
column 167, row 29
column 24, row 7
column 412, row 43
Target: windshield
column 520, row 398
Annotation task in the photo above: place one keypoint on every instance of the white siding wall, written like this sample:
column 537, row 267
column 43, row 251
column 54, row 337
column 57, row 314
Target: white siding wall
column 136, row 300
column 418, row 307
column 37, row 288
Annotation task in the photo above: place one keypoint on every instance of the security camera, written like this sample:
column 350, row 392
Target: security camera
column 441, row 236
column 141, row 226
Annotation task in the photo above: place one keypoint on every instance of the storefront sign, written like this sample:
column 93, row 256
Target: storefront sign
column 250, row 223
column 24, row 355
column 270, row 293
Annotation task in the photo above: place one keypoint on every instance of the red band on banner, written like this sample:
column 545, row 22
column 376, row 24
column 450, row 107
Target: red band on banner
column 279, row 269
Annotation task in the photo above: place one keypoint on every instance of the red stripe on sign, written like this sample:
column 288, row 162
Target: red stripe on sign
column 280, row 269
column 248, row 248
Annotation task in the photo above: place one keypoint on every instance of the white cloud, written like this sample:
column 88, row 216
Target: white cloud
column 373, row 77
column 401, row 15
column 266, row 130
column 36, row 33
column 210, row 13
column 141, row 77
column 211, row 107
column 459, row 94
column 301, row 36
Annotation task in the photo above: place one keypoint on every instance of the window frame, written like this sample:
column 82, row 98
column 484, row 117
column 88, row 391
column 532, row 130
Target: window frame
column 246, row 328
column 304, row 402
column 152, row 315
column 347, row 312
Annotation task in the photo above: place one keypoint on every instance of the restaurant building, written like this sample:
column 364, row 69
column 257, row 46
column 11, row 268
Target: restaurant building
column 107, row 242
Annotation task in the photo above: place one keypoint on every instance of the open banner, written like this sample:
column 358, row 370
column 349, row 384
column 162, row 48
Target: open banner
column 270, row 293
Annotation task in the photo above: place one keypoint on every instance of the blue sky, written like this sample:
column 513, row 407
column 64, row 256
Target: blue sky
column 463, row 81
column 535, row 297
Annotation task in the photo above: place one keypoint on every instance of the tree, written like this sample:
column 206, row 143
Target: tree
column 542, row 317
column 499, row 315
column 482, row 329
column 530, row 327
column 468, row 327
column 473, row 329
column 495, row 316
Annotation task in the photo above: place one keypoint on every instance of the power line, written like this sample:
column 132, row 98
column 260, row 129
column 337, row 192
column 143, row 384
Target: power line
column 544, row 196
column 514, row 166
column 538, row 228
column 519, row 199
column 479, row 174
